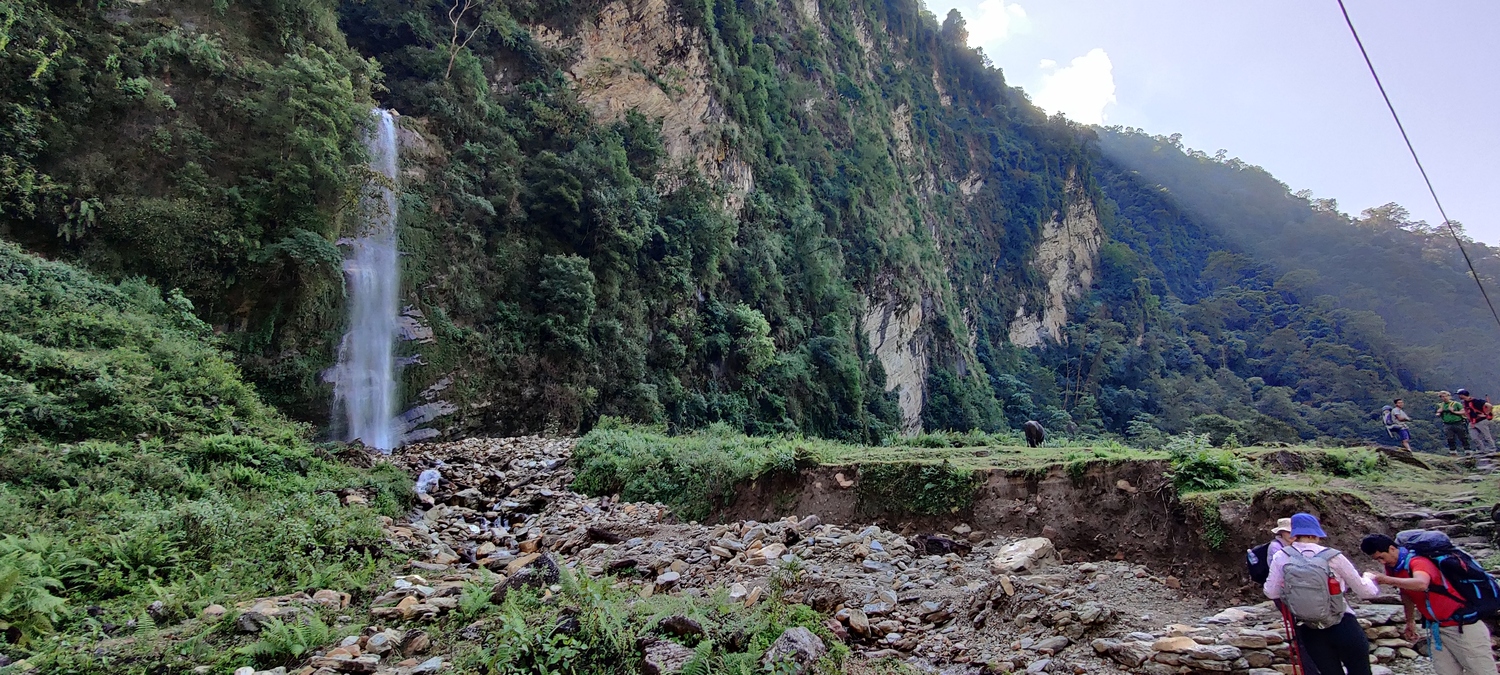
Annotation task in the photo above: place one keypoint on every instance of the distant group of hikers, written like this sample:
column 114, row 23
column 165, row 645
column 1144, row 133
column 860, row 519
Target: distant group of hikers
column 1465, row 420
column 1441, row 586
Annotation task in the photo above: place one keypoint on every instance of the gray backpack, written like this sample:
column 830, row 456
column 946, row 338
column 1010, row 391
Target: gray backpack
column 1304, row 588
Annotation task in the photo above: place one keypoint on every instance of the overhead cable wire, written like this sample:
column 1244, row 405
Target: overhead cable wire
column 1413, row 150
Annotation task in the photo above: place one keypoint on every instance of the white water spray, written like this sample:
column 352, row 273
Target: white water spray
column 364, row 391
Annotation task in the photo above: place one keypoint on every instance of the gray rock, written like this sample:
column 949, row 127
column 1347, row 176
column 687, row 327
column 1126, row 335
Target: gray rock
column 798, row 646
column 1213, row 652
column 1132, row 654
column 431, row 665
column 252, row 622
column 859, row 622
column 681, row 626
column 665, row 658
column 1053, row 644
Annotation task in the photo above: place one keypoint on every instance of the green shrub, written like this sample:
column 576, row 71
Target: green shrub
column 1197, row 467
column 34, row 571
column 593, row 628
column 81, row 359
column 694, row 473
column 1350, row 462
column 283, row 643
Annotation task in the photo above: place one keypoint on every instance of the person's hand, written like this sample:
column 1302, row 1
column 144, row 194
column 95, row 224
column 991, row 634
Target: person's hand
column 1410, row 632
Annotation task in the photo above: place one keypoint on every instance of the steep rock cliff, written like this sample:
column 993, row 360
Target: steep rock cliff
column 642, row 55
column 1065, row 257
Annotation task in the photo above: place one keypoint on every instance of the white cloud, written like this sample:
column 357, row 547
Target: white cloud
column 994, row 21
column 1081, row 90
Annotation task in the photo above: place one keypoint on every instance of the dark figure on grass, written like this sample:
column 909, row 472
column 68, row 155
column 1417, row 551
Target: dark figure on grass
column 1035, row 435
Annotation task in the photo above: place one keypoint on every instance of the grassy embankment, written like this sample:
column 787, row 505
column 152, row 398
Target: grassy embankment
column 696, row 473
column 141, row 480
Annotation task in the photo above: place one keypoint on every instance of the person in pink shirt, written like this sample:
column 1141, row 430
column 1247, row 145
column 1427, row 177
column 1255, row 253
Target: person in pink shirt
column 1342, row 646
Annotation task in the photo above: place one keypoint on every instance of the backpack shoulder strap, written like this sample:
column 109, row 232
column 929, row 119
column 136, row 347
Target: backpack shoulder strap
column 1328, row 554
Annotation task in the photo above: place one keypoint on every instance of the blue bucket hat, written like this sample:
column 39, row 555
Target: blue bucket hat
column 1306, row 525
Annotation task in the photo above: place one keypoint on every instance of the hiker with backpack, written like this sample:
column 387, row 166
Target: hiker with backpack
column 1479, row 413
column 1448, row 589
column 1397, row 423
column 1311, row 579
column 1455, row 423
column 1258, row 563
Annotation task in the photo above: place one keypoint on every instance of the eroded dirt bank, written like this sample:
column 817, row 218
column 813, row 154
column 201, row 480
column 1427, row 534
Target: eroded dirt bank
column 1123, row 511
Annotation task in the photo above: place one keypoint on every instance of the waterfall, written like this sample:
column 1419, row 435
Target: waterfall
column 364, row 390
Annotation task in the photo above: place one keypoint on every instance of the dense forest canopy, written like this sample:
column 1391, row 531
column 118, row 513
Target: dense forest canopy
column 846, row 172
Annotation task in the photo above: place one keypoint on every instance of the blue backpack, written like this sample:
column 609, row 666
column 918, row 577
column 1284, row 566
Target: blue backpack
column 1466, row 581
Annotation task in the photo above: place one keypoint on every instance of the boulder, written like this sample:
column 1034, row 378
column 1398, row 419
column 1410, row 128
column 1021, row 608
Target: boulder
column 664, row 657
column 1027, row 554
column 797, row 646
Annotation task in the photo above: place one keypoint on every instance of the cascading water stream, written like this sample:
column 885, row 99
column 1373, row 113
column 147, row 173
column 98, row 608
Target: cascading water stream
column 364, row 391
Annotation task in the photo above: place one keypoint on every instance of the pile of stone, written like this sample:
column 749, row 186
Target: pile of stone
column 383, row 652
column 1245, row 641
column 254, row 615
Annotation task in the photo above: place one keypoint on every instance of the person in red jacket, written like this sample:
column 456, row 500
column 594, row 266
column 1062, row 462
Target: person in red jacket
column 1458, row 649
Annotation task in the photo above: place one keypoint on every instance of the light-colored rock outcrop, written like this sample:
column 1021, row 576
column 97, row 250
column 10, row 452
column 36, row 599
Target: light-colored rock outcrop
column 894, row 333
column 641, row 55
column 1065, row 257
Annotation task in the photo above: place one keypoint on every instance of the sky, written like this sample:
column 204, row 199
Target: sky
column 1279, row 84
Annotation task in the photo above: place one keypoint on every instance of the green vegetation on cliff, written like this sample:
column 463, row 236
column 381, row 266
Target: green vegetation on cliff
column 738, row 213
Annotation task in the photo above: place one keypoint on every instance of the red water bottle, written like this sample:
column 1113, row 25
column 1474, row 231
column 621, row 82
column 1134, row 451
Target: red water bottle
column 1334, row 587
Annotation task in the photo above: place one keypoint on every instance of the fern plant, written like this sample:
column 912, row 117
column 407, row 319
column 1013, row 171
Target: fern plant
column 531, row 650
column 34, row 571
column 27, row 606
column 283, row 643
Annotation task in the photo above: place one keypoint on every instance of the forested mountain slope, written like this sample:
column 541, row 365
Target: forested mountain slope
column 828, row 217
column 1410, row 273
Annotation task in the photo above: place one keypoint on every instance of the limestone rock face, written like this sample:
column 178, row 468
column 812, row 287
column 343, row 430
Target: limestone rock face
column 896, row 336
column 1066, row 257
column 642, row 55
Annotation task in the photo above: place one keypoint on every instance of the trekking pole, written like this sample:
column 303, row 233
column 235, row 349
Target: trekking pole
column 1291, row 638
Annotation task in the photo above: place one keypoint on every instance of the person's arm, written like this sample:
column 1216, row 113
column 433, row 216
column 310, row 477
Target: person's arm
column 1344, row 569
column 1410, row 630
column 1418, row 581
column 1272, row 587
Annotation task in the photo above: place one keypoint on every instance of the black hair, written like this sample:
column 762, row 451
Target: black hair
column 1376, row 543
column 1394, row 402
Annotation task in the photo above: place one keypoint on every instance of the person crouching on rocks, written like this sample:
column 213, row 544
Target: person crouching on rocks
column 1311, row 579
column 1459, row 648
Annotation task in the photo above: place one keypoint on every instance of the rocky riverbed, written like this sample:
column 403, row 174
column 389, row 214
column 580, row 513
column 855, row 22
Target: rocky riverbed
column 499, row 512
